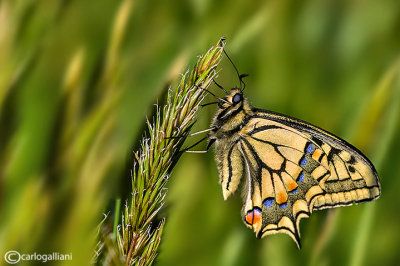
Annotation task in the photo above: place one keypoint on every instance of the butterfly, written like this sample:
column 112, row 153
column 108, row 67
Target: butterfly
column 289, row 167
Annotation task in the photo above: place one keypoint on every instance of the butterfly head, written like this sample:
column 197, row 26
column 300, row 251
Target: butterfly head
column 232, row 99
column 231, row 110
column 233, row 103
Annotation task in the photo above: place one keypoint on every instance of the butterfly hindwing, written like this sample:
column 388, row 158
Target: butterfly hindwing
column 284, row 179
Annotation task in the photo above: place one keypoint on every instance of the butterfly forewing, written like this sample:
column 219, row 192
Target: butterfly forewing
column 351, row 177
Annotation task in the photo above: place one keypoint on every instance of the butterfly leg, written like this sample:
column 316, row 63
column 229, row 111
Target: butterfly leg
column 215, row 96
column 219, row 86
column 202, row 131
column 207, row 104
column 198, row 142
column 195, row 144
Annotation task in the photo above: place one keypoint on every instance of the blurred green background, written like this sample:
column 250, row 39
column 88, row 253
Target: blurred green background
column 77, row 79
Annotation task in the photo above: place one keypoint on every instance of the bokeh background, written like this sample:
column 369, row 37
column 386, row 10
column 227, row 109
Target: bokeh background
column 77, row 79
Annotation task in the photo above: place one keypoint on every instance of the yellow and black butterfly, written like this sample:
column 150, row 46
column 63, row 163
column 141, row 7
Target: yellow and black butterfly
column 289, row 166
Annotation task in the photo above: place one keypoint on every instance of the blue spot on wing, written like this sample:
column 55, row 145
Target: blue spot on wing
column 303, row 161
column 294, row 191
column 310, row 148
column 283, row 205
column 268, row 202
column 301, row 177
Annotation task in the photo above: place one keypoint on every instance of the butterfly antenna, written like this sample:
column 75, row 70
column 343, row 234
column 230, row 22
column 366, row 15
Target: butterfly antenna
column 242, row 82
column 240, row 76
column 219, row 86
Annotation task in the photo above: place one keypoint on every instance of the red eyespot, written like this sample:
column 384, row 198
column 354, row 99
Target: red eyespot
column 253, row 216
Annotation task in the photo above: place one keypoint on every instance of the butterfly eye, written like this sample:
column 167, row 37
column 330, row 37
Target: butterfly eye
column 237, row 98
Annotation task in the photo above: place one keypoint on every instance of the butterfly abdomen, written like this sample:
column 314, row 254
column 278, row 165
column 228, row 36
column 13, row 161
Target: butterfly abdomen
column 230, row 165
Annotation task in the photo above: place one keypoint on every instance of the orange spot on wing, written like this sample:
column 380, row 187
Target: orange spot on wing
column 292, row 185
column 281, row 198
column 317, row 153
